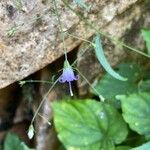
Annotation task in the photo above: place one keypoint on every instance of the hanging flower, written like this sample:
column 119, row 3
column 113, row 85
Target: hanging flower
column 68, row 75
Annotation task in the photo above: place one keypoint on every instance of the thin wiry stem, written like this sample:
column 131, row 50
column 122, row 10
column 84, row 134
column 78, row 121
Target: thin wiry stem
column 102, row 33
column 61, row 30
column 100, row 96
column 81, row 54
column 79, row 38
column 49, row 123
column 43, row 100
column 37, row 81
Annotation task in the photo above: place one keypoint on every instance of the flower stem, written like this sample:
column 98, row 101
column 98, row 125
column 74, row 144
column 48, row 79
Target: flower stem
column 99, row 95
column 49, row 123
column 81, row 54
column 102, row 33
column 37, row 81
column 79, row 38
column 61, row 30
column 43, row 100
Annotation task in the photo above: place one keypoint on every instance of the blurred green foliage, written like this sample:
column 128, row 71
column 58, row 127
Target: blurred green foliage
column 12, row 142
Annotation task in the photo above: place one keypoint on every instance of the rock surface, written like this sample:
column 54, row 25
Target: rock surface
column 36, row 41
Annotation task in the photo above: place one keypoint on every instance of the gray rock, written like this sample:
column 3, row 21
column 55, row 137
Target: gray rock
column 34, row 40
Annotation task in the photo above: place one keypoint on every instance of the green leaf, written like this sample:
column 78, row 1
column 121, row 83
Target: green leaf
column 12, row 142
column 146, row 75
column 146, row 36
column 145, row 146
column 109, row 87
column 144, row 86
column 123, row 148
column 88, row 125
column 136, row 111
column 103, row 61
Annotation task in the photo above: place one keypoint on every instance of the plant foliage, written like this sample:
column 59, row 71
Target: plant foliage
column 88, row 125
column 103, row 61
column 12, row 142
column 136, row 111
column 110, row 87
column 146, row 36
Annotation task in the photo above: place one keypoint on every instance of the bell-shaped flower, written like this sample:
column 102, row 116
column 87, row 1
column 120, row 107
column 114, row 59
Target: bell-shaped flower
column 68, row 75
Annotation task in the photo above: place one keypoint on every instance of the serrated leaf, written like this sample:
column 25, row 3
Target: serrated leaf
column 103, row 61
column 146, row 36
column 12, row 142
column 88, row 125
column 109, row 87
column 136, row 111
column 145, row 146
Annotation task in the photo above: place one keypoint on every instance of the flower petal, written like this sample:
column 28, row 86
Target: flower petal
column 61, row 80
column 67, row 75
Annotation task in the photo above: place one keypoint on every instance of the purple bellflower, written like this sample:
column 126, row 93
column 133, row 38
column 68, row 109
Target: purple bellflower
column 68, row 75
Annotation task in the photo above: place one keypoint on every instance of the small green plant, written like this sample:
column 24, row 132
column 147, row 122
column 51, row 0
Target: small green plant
column 11, row 32
column 123, row 108
column 91, row 125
